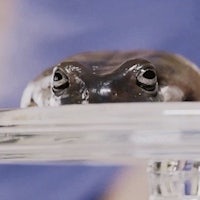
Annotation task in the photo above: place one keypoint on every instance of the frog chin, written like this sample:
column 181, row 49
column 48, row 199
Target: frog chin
column 56, row 100
column 171, row 93
column 65, row 99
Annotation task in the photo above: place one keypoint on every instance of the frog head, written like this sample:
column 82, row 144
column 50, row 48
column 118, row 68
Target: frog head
column 132, row 81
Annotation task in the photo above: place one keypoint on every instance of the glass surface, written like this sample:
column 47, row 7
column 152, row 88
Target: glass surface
column 174, row 179
column 167, row 135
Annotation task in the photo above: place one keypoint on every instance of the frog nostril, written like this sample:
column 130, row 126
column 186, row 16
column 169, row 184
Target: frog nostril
column 114, row 93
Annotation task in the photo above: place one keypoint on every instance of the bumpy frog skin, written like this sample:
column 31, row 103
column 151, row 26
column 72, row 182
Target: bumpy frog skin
column 99, row 77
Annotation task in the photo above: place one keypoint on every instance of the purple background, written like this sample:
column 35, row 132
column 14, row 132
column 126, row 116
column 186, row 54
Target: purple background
column 45, row 32
column 70, row 182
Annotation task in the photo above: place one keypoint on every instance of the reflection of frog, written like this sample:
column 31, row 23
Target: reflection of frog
column 98, row 77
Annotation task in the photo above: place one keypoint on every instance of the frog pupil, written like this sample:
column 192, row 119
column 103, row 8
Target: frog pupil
column 57, row 77
column 149, row 74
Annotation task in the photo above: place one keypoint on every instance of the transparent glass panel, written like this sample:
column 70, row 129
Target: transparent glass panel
column 167, row 135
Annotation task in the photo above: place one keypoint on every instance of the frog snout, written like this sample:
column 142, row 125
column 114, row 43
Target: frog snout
column 100, row 93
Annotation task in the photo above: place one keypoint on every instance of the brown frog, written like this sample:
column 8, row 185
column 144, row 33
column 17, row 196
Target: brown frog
column 115, row 76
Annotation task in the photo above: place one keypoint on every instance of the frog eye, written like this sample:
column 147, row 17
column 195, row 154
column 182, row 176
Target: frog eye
column 147, row 79
column 60, row 82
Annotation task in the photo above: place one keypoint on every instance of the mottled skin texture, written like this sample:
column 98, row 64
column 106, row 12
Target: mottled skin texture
column 98, row 77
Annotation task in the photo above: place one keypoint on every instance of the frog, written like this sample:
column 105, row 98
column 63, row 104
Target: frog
column 115, row 77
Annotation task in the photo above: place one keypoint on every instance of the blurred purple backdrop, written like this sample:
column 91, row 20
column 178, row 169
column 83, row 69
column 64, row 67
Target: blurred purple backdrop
column 43, row 182
column 41, row 33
